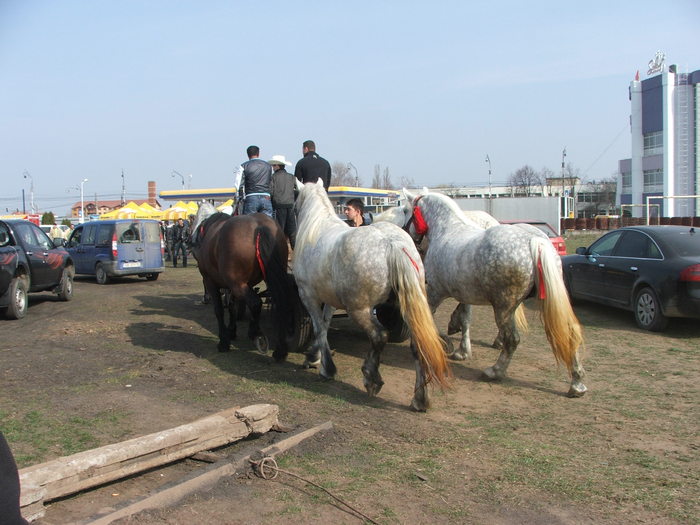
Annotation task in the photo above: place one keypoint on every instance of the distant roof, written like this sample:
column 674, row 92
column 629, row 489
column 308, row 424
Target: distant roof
column 229, row 193
column 193, row 195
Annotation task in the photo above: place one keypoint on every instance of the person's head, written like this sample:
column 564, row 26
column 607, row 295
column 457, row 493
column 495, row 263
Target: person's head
column 308, row 145
column 253, row 152
column 278, row 162
column 181, row 221
column 354, row 209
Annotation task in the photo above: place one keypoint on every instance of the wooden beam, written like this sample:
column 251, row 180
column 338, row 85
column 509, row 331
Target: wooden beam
column 198, row 481
column 70, row 474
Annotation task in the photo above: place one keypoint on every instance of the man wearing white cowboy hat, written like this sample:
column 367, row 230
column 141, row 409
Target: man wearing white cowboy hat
column 282, row 192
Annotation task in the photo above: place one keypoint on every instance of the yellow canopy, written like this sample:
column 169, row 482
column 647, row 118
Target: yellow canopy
column 228, row 203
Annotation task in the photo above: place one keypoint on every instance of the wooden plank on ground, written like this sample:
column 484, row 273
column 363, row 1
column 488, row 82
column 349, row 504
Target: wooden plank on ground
column 198, row 481
column 70, row 474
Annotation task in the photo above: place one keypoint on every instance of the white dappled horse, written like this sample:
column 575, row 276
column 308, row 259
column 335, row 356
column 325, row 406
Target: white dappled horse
column 336, row 266
column 497, row 266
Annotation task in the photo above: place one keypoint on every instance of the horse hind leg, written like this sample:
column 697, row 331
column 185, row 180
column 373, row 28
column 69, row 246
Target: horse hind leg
column 320, row 353
column 224, row 334
column 462, row 317
column 577, row 388
column 377, row 337
column 511, row 338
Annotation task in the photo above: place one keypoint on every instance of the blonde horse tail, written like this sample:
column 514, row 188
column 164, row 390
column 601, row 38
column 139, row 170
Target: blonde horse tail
column 520, row 319
column 560, row 323
column 407, row 279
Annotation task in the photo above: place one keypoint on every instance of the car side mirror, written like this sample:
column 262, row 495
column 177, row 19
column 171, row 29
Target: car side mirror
column 581, row 250
column 58, row 242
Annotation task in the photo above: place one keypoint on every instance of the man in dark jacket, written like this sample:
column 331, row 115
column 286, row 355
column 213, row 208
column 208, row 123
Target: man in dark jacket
column 253, row 179
column 312, row 166
column 355, row 212
column 181, row 234
column 283, row 186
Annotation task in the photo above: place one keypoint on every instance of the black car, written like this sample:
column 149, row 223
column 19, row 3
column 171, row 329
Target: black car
column 31, row 262
column 652, row 270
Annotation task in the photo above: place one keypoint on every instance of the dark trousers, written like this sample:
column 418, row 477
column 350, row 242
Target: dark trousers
column 9, row 487
column 288, row 222
column 180, row 246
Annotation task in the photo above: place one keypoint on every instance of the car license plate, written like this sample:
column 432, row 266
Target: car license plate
column 135, row 264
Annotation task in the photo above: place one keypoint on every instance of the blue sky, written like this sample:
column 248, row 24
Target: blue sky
column 427, row 89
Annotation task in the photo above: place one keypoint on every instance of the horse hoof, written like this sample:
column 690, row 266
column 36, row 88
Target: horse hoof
column 311, row 364
column 491, row 374
column 577, row 390
column 419, row 406
column 262, row 344
column 457, row 356
column 373, row 389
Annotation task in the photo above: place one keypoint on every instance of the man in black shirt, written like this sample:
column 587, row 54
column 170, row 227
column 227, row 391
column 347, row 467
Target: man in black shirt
column 312, row 166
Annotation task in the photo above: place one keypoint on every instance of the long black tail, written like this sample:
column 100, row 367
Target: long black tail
column 272, row 258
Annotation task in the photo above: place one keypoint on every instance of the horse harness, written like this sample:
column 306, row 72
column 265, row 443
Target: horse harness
column 418, row 222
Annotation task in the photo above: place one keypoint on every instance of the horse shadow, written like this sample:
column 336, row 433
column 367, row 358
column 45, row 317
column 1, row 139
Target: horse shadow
column 244, row 360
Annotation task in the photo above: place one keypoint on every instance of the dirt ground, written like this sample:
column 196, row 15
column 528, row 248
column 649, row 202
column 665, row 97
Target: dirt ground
column 135, row 357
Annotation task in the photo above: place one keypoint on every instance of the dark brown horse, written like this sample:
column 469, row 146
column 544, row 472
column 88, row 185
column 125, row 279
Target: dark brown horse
column 235, row 254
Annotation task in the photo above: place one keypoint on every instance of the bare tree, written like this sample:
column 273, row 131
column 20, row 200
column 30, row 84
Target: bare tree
column 524, row 181
column 407, row 182
column 381, row 179
column 341, row 174
column 386, row 179
column 377, row 177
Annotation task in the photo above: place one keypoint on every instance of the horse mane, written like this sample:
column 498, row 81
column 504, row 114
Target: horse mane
column 315, row 210
column 452, row 206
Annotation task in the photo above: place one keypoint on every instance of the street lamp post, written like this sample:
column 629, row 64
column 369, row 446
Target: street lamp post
column 31, row 191
column 357, row 176
column 563, row 192
column 181, row 177
column 82, row 201
column 489, row 161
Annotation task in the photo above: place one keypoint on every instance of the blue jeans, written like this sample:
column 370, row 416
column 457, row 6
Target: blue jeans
column 257, row 203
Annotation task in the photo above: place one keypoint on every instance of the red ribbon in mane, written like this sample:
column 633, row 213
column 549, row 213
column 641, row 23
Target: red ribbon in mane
column 419, row 221
column 257, row 254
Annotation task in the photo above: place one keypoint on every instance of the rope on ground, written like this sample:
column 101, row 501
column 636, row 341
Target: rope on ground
column 267, row 464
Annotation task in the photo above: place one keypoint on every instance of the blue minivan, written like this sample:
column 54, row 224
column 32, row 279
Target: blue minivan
column 114, row 248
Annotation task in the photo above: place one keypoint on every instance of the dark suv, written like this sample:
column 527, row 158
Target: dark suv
column 31, row 262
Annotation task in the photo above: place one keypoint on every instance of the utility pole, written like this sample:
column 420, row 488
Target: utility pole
column 32, row 208
column 489, row 161
column 123, row 189
column 563, row 194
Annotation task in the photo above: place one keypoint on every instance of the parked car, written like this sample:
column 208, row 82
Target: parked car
column 653, row 271
column 114, row 248
column 557, row 240
column 31, row 262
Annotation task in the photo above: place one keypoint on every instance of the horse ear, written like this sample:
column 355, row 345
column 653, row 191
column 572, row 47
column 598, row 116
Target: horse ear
column 425, row 190
column 319, row 182
column 408, row 195
column 299, row 184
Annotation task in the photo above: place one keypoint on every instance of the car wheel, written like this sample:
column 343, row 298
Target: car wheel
column 101, row 274
column 17, row 308
column 152, row 276
column 647, row 311
column 65, row 288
